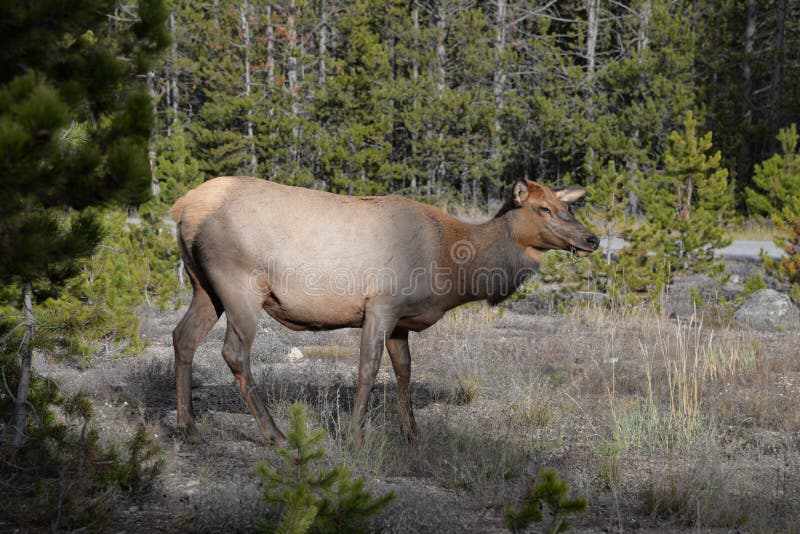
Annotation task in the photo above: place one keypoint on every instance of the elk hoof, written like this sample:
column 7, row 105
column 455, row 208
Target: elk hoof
column 192, row 435
column 278, row 440
column 409, row 432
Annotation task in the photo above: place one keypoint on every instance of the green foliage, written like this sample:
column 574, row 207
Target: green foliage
column 178, row 170
column 607, row 198
column 65, row 478
column 143, row 464
column 551, row 491
column 50, row 83
column 778, row 180
column 135, row 264
column 753, row 284
column 311, row 498
column 687, row 206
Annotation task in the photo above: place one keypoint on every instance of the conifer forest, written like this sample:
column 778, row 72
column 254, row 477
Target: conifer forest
column 623, row 391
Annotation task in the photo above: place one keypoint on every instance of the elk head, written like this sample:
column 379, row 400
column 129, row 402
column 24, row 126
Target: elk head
column 542, row 220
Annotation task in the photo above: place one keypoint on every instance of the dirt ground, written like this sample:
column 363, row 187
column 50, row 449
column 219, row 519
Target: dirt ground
column 608, row 399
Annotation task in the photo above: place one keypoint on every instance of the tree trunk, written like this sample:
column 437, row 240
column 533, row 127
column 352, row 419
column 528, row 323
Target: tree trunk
column 173, row 75
column 440, row 168
column 291, row 76
column 776, row 92
column 155, row 189
column 21, row 402
column 323, row 41
column 645, row 14
column 415, row 82
column 498, row 86
column 751, row 21
column 270, row 47
column 593, row 18
column 441, row 57
column 249, row 135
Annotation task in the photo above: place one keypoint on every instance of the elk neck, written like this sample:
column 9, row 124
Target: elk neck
column 496, row 265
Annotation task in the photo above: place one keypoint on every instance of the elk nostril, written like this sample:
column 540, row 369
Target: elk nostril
column 594, row 241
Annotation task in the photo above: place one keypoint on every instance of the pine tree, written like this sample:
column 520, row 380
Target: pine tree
column 778, row 180
column 311, row 498
column 552, row 491
column 607, row 198
column 687, row 205
column 177, row 168
column 74, row 130
column 606, row 214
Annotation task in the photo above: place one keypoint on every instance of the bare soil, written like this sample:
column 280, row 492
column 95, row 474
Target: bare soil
column 498, row 396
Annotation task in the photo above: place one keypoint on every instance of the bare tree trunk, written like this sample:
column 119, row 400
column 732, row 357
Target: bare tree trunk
column 441, row 57
column 155, row 189
column 440, row 169
column 645, row 14
column 21, row 402
column 643, row 43
column 249, row 134
column 776, row 92
column 751, row 21
column 593, row 17
column 270, row 47
column 173, row 75
column 291, row 76
column 498, row 86
column 323, row 41
column 415, row 80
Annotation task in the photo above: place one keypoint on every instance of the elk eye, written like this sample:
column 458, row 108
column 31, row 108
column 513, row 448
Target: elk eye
column 545, row 211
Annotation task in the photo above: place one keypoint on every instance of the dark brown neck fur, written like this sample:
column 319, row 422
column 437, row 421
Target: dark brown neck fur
column 498, row 267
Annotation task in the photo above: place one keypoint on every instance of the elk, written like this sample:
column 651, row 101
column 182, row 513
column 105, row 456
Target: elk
column 319, row 261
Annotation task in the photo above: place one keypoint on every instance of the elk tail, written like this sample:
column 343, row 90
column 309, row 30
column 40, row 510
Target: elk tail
column 176, row 211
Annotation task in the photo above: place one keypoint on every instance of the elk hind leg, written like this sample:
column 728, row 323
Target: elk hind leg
column 239, row 338
column 201, row 316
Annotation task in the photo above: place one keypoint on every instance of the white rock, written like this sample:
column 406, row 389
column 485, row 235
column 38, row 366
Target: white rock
column 294, row 355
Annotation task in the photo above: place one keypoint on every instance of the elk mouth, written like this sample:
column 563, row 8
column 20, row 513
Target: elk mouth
column 580, row 252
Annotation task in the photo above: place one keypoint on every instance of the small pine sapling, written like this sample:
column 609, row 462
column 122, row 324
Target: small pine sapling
column 311, row 498
column 606, row 215
column 553, row 491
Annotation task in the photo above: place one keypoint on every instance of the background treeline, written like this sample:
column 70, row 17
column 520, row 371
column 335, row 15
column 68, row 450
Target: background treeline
column 455, row 99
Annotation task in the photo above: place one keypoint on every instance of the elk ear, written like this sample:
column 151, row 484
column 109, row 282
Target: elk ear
column 520, row 192
column 570, row 194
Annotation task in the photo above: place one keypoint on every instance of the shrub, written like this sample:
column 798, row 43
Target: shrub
column 135, row 264
column 777, row 180
column 311, row 498
column 552, row 491
column 63, row 477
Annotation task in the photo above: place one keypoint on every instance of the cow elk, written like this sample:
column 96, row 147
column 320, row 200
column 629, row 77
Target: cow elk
column 319, row 261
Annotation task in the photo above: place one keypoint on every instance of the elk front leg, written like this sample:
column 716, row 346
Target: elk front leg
column 377, row 327
column 397, row 345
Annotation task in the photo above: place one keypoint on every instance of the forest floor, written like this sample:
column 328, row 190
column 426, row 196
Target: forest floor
column 662, row 424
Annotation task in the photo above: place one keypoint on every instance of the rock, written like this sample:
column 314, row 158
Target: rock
column 768, row 310
column 295, row 355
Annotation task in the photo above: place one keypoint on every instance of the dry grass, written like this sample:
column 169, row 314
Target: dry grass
column 660, row 423
column 754, row 230
column 325, row 351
